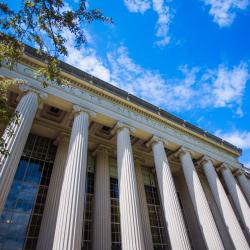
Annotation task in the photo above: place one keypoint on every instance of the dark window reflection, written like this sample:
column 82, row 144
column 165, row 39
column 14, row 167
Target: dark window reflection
column 155, row 212
column 21, row 218
column 115, row 214
column 88, row 210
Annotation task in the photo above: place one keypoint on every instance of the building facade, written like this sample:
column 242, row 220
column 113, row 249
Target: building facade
column 92, row 167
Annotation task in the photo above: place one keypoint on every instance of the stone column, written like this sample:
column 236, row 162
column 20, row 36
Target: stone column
column 224, row 205
column 68, row 233
column 148, row 242
column 131, row 225
column 200, row 203
column 102, row 208
column 237, row 196
column 26, row 109
column 172, row 210
column 48, row 225
column 244, row 183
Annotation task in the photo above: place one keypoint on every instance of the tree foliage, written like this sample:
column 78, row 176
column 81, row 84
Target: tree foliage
column 7, row 115
column 42, row 24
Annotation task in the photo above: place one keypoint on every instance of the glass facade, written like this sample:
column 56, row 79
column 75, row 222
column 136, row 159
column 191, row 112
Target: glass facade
column 21, row 218
column 156, row 218
column 88, row 210
column 115, row 210
column 22, row 215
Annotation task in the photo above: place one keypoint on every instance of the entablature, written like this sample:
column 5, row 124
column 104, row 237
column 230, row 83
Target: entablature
column 111, row 109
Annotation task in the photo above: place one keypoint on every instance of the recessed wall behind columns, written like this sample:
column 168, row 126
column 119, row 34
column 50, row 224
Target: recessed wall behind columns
column 227, row 242
column 189, row 213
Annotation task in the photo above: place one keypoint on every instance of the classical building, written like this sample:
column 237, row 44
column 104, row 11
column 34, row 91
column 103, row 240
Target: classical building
column 91, row 166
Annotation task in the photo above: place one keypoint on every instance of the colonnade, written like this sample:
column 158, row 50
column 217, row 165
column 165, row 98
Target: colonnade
column 61, row 226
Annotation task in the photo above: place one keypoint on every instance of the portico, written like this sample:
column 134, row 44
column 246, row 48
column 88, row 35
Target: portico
column 158, row 203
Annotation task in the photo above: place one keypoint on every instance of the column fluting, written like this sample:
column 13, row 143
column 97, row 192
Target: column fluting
column 68, row 233
column 26, row 110
column 237, row 196
column 102, row 208
column 224, row 206
column 131, row 226
column 245, row 184
column 200, row 203
column 148, row 242
column 48, row 225
column 172, row 210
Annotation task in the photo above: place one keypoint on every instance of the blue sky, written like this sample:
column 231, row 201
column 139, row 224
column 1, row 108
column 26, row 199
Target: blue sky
column 190, row 58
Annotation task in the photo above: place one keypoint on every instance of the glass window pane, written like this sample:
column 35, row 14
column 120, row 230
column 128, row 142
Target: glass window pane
column 88, row 210
column 158, row 230
column 20, row 218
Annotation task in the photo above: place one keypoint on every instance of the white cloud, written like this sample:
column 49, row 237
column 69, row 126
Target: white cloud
column 164, row 16
column 227, row 86
column 211, row 88
column 134, row 78
column 86, row 59
column 240, row 139
column 137, row 5
column 221, row 87
column 163, row 22
column 224, row 11
column 247, row 164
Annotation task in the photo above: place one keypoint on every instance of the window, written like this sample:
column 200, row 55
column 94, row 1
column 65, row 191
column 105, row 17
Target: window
column 115, row 209
column 21, row 218
column 156, row 218
column 88, row 206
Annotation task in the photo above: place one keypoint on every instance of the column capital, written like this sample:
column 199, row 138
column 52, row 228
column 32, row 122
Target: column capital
column 155, row 139
column 239, row 171
column 224, row 166
column 120, row 125
column 204, row 159
column 102, row 148
column 25, row 89
column 183, row 150
column 42, row 96
column 78, row 109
